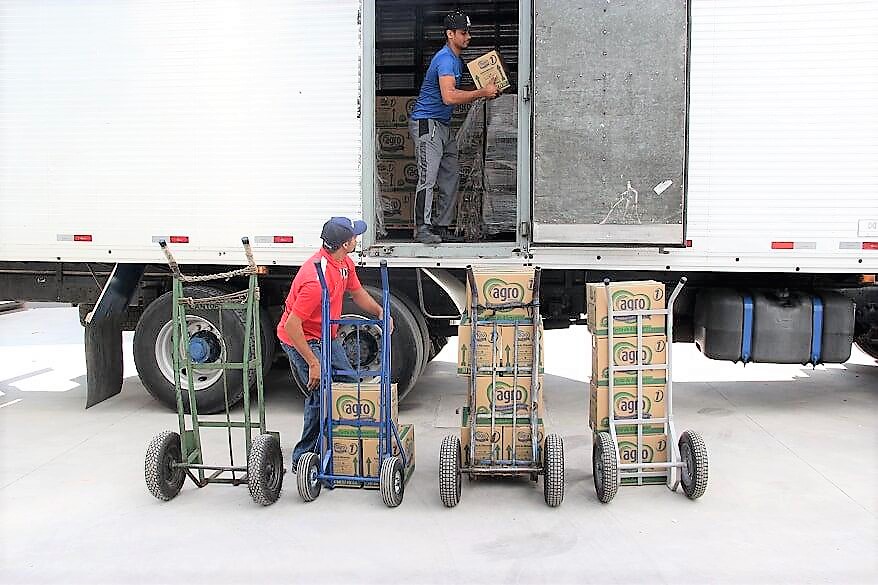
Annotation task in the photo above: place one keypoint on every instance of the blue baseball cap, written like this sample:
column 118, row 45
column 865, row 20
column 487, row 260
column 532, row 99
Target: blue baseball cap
column 339, row 230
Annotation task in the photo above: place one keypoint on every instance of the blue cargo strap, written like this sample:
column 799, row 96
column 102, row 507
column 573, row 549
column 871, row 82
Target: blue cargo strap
column 747, row 336
column 817, row 330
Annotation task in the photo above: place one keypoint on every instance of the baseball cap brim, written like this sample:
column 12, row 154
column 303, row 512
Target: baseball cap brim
column 359, row 227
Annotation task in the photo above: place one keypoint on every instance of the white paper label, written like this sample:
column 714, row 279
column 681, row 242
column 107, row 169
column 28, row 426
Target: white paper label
column 662, row 187
column 868, row 228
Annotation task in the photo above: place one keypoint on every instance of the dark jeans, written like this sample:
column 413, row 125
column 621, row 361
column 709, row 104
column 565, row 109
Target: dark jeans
column 311, row 424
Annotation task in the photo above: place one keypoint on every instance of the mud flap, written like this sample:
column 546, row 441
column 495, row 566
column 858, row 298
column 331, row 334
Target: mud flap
column 103, row 334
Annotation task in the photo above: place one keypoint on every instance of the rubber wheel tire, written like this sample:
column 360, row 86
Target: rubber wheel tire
column 693, row 454
column 449, row 471
column 605, row 467
column 163, row 481
column 408, row 350
column 211, row 400
column 553, row 471
column 392, row 481
column 265, row 470
column 306, row 476
column 868, row 347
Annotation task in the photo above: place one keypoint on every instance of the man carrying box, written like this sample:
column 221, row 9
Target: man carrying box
column 436, row 148
column 300, row 327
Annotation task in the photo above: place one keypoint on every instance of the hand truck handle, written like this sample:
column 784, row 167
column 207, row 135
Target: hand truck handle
column 172, row 263
column 320, row 276
column 248, row 251
column 474, row 291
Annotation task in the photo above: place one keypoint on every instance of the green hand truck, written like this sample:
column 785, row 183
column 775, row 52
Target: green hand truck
column 172, row 456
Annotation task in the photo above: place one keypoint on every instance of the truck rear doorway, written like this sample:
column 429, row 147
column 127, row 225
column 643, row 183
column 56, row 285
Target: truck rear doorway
column 407, row 35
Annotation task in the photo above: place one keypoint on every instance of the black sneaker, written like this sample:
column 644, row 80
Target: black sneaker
column 425, row 236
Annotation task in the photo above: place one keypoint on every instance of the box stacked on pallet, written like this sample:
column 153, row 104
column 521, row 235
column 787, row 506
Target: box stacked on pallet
column 355, row 449
column 629, row 296
column 500, row 201
column 502, row 354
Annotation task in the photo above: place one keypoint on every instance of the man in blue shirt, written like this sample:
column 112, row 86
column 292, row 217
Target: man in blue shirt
column 436, row 147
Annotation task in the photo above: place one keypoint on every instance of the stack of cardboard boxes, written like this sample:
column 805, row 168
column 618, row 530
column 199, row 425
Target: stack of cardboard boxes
column 355, row 450
column 397, row 169
column 629, row 296
column 502, row 346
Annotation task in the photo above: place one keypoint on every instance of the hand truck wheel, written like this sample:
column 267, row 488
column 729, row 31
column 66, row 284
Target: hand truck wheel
column 265, row 469
column 392, row 481
column 307, row 480
column 693, row 453
column 553, row 471
column 605, row 467
column 449, row 471
column 163, row 480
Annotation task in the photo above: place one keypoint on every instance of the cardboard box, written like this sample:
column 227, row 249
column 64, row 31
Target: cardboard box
column 518, row 438
column 507, row 394
column 625, row 403
column 356, row 452
column 503, row 440
column 497, row 286
column 488, row 442
column 496, row 345
column 398, row 209
column 629, row 377
column 627, row 296
column 397, row 175
column 653, row 351
column 489, row 68
column 346, row 405
column 393, row 111
column 395, row 143
column 654, row 449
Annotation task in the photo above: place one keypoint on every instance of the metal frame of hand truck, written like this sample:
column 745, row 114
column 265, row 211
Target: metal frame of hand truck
column 676, row 466
column 264, row 470
column 315, row 469
column 513, row 466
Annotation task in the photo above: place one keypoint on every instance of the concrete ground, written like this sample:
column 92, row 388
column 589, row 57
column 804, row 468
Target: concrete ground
column 792, row 494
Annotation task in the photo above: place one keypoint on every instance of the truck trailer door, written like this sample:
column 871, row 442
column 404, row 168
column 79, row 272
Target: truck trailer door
column 610, row 99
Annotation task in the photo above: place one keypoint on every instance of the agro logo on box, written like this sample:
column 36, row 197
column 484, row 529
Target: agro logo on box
column 624, row 300
column 350, row 408
column 411, row 173
column 497, row 290
column 626, row 353
column 487, row 436
column 345, row 448
column 488, row 63
column 627, row 404
column 392, row 206
column 628, row 451
column 501, row 392
column 391, row 141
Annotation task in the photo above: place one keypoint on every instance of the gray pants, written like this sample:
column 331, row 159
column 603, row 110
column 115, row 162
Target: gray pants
column 436, row 152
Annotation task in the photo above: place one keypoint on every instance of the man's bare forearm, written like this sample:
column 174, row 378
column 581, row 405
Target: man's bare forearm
column 293, row 329
column 459, row 96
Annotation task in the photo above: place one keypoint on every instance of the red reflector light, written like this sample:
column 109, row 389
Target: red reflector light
column 782, row 245
column 82, row 238
column 870, row 245
column 688, row 243
column 283, row 239
column 179, row 239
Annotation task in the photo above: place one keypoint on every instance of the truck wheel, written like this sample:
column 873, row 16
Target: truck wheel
column 693, row 453
column 605, row 467
column 392, row 481
column 449, row 471
column 553, row 471
column 307, row 481
column 408, row 348
column 265, row 470
column 162, row 479
column 153, row 344
column 868, row 345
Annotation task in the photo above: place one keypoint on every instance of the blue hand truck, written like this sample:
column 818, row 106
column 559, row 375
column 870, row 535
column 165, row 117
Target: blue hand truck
column 316, row 469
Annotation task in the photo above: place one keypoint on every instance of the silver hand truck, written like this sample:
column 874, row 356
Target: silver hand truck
column 687, row 457
column 549, row 461
column 171, row 456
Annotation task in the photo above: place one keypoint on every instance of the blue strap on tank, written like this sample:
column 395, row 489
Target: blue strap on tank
column 816, row 330
column 747, row 336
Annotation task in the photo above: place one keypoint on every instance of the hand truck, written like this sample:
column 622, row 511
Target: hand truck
column 169, row 459
column 316, row 469
column 548, row 462
column 687, row 457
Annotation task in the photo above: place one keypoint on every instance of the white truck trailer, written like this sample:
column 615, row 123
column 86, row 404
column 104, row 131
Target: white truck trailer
column 733, row 142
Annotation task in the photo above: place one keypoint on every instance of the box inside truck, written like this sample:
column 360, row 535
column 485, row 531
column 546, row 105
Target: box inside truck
column 407, row 36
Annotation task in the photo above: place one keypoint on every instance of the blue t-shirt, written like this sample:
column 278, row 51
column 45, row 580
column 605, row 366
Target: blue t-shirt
column 429, row 104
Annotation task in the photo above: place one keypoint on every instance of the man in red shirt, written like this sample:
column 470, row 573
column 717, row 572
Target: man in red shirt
column 299, row 329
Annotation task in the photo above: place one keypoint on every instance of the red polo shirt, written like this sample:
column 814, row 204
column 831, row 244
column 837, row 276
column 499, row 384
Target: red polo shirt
column 305, row 294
